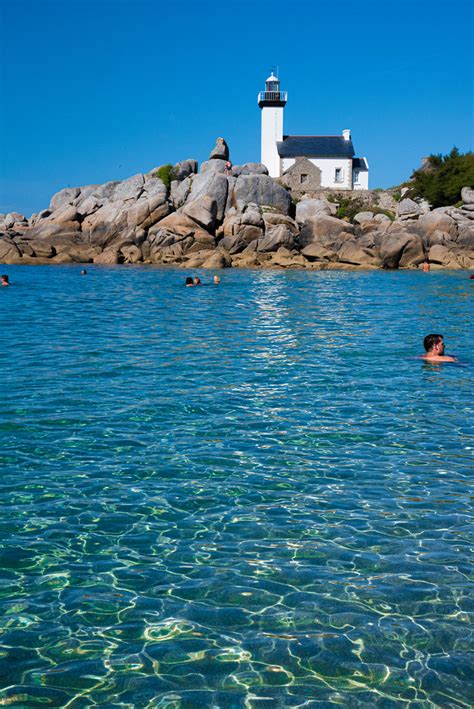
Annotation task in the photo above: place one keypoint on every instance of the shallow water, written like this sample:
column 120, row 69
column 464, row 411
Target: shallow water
column 250, row 495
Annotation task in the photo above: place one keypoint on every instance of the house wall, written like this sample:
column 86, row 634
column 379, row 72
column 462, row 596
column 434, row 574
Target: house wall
column 363, row 182
column 328, row 167
column 272, row 131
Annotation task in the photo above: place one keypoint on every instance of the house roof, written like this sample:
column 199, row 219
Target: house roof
column 315, row 146
column 360, row 163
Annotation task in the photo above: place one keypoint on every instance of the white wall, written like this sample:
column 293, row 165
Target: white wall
column 272, row 131
column 328, row 167
column 363, row 181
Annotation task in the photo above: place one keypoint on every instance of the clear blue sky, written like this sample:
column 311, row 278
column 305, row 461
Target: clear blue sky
column 97, row 90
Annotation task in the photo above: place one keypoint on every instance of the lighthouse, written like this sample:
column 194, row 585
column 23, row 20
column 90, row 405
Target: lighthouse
column 272, row 102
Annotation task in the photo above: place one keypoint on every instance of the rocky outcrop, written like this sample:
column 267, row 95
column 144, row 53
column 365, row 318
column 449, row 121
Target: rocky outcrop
column 222, row 217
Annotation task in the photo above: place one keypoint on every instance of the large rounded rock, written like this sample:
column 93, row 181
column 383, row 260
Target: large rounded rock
column 248, row 233
column 351, row 252
column 249, row 168
column 131, row 253
column 220, row 151
column 401, row 250
column 408, row 209
column 437, row 221
column 362, row 217
column 467, row 195
column 272, row 219
column 184, row 168
column 275, row 238
column 317, row 252
column 175, row 227
column 213, row 166
column 46, row 229
column 324, row 229
column 307, row 208
column 203, row 211
column 212, row 185
column 9, row 251
column 233, row 244
column 253, row 217
column 109, row 257
column 64, row 197
column 261, row 190
column 219, row 259
column 180, row 191
column 107, row 224
column 442, row 255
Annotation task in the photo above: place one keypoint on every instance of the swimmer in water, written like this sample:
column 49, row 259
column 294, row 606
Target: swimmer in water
column 434, row 347
column 216, row 280
column 5, row 281
column 189, row 282
column 197, row 281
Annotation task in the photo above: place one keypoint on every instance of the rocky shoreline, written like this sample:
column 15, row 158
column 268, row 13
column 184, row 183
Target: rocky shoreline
column 239, row 217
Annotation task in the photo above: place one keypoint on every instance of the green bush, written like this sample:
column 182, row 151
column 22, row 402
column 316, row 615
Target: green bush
column 166, row 173
column 441, row 180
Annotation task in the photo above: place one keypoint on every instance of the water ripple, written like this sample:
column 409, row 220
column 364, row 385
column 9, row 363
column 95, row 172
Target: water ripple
column 238, row 495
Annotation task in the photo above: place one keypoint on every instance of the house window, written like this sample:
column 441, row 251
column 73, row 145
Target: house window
column 356, row 177
column 303, row 178
column 338, row 174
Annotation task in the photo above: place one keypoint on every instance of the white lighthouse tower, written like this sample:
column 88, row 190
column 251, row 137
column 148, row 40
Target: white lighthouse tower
column 272, row 102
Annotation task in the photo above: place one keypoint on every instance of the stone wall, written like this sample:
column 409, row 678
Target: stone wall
column 302, row 177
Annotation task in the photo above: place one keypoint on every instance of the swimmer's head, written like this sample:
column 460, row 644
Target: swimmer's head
column 434, row 342
column 189, row 281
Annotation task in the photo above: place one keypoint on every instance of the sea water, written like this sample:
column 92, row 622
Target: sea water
column 244, row 495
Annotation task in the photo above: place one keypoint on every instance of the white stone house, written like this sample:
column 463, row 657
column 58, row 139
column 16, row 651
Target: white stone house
column 333, row 156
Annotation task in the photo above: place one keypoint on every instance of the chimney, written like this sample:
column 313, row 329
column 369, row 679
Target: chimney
column 346, row 134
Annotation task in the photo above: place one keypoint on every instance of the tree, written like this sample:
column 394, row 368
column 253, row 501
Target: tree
column 441, row 180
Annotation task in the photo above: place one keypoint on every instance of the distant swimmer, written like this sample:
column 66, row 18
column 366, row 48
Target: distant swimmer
column 5, row 281
column 216, row 280
column 189, row 282
column 197, row 281
column 434, row 347
column 83, row 272
column 471, row 277
column 426, row 265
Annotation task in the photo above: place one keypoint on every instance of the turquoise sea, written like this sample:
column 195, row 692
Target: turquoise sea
column 240, row 496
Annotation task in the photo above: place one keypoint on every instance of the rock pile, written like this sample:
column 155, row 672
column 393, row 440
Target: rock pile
column 240, row 217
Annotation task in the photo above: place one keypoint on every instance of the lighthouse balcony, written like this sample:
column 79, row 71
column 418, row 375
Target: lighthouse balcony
column 272, row 96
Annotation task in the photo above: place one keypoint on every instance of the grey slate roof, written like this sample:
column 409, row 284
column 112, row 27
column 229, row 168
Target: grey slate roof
column 360, row 163
column 315, row 146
